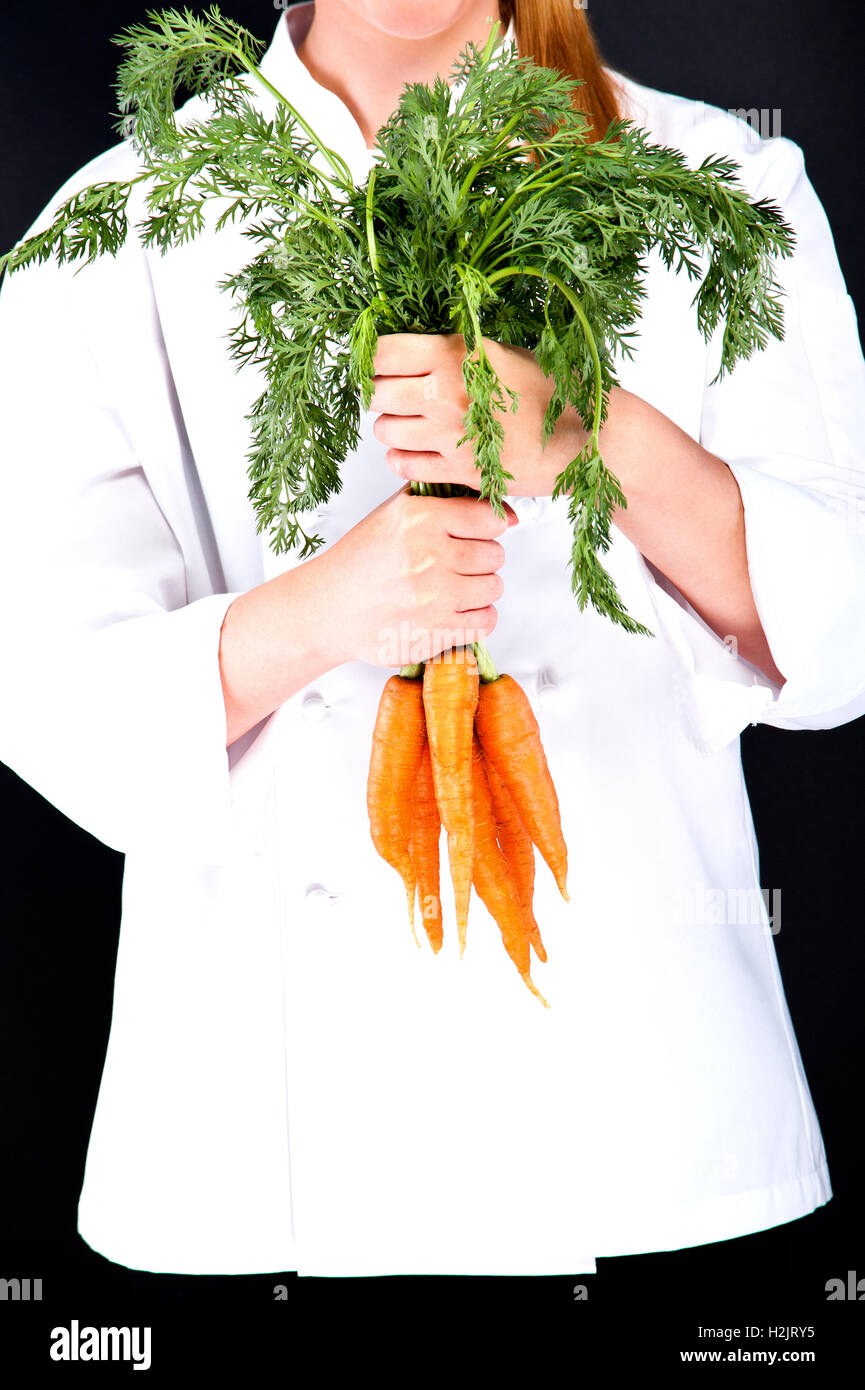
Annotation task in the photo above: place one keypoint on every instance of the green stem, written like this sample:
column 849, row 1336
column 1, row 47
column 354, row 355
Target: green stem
column 489, row 46
column 370, row 232
column 313, row 211
column 486, row 670
column 536, row 187
column 467, row 308
column 486, row 159
column 508, row 272
column 336, row 162
column 371, row 243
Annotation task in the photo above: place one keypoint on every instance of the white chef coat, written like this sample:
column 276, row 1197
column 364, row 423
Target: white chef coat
column 290, row 1083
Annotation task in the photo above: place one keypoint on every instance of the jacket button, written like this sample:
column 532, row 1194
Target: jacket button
column 318, row 895
column 547, row 687
column 527, row 508
column 313, row 707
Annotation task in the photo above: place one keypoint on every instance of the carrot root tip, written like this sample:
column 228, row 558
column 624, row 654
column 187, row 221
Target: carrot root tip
column 409, row 893
column 530, row 984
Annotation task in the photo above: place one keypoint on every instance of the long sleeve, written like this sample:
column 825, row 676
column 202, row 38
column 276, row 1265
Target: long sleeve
column 110, row 700
column 790, row 424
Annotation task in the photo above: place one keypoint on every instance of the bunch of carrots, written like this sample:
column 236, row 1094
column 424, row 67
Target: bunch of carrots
column 453, row 749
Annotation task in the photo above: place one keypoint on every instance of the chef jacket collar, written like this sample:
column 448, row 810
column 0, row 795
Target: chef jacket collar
column 327, row 113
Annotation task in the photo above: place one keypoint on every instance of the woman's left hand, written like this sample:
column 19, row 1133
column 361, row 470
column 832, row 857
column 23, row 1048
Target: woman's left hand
column 419, row 389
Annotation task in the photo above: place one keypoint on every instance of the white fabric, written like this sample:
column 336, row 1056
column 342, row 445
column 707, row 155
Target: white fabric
column 290, row 1083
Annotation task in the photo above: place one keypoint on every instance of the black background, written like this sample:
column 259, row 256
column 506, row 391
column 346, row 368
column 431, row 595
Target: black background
column 60, row 888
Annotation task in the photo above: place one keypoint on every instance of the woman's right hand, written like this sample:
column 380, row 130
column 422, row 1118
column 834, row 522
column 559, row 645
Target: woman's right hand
column 415, row 577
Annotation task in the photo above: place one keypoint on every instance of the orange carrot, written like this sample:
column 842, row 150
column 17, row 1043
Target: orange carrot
column 511, row 741
column 450, row 696
column 424, row 850
column 492, row 878
column 397, row 747
column 517, row 847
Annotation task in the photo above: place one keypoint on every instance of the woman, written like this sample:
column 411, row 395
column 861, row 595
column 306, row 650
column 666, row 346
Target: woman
column 290, row 1083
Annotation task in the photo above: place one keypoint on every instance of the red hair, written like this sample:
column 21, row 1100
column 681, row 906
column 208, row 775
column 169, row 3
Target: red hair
column 557, row 34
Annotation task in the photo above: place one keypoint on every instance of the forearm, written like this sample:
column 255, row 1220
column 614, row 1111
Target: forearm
column 685, row 515
column 265, row 659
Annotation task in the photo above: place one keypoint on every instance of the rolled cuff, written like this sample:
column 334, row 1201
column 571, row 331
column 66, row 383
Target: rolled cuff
column 717, row 693
column 123, row 728
column 806, row 561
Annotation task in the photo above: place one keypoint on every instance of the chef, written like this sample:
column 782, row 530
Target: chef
column 290, row 1082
